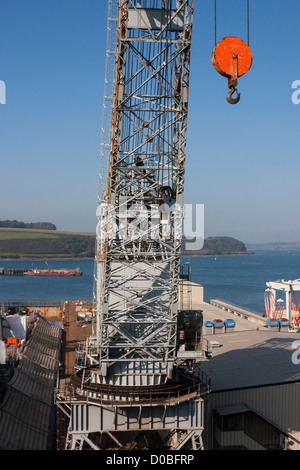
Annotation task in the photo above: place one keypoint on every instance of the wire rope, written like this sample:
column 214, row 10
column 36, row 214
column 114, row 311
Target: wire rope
column 248, row 22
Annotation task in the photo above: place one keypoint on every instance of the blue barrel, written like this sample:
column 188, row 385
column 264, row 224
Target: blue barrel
column 272, row 323
column 284, row 323
column 229, row 325
column 208, row 325
column 218, row 326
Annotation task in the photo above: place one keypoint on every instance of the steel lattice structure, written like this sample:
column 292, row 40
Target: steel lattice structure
column 132, row 383
column 140, row 211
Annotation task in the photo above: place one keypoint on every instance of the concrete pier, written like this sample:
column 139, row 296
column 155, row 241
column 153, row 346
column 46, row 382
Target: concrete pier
column 239, row 312
column 13, row 271
column 192, row 299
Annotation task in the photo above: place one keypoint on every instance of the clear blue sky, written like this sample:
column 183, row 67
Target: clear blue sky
column 242, row 161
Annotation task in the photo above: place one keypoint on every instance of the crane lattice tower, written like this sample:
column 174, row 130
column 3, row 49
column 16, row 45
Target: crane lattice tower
column 131, row 381
column 139, row 229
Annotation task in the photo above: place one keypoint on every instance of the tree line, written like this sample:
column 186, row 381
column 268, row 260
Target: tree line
column 34, row 225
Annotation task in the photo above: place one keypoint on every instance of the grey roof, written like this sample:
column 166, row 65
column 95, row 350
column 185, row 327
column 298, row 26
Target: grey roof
column 252, row 358
column 26, row 407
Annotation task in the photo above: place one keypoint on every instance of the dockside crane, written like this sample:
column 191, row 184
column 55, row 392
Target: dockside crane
column 132, row 386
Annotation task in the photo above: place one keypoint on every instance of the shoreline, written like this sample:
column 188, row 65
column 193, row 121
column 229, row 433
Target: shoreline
column 184, row 255
column 217, row 255
column 46, row 259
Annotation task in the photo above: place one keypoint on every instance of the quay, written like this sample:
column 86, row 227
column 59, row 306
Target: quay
column 239, row 312
column 191, row 297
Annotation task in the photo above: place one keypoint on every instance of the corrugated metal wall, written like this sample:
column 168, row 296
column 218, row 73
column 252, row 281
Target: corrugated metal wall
column 279, row 404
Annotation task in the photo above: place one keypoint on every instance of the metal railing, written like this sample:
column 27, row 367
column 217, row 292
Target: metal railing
column 237, row 307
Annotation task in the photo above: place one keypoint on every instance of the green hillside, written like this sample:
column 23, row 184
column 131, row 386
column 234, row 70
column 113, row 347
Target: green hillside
column 217, row 246
column 47, row 244
column 41, row 244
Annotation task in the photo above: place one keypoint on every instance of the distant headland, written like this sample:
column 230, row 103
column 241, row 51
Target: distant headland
column 28, row 242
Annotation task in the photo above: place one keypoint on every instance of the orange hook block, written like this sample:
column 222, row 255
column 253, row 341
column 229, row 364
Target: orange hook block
column 232, row 58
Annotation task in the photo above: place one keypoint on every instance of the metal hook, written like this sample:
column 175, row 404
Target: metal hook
column 229, row 96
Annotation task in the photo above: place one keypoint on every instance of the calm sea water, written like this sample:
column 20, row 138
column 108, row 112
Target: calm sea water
column 240, row 280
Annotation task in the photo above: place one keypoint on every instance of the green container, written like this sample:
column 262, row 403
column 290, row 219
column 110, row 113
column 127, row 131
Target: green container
column 190, row 325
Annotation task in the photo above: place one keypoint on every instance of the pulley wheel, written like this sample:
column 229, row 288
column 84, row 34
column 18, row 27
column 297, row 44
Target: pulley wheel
column 232, row 57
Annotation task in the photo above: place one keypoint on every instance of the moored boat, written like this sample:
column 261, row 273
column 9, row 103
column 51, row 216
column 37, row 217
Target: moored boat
column 53, row 272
